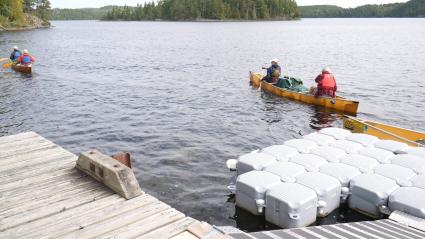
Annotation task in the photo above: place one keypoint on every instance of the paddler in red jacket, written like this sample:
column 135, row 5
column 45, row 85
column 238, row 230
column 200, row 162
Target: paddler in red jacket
column 26, row 58
column 326, row 84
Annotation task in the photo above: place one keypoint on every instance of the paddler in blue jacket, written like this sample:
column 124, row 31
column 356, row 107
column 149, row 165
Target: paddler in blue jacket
column 15, row 54
column 273, row 72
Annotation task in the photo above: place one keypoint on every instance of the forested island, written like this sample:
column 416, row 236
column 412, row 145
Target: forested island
column 207, row 9
column 182, row 10
column 413, row 8
column 24, row 14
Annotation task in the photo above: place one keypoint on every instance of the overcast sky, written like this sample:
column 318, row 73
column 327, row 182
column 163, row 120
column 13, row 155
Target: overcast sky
column 100, row 3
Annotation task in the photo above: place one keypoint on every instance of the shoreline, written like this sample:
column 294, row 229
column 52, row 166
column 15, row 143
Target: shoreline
column 31, row 22
column 25, row 28
column 199, row 20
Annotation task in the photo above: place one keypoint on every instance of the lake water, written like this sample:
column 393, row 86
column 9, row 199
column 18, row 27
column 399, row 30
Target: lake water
column 176, row 94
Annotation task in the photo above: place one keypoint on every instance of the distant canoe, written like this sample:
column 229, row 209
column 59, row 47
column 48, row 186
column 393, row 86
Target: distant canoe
column 385, row 131
column 22, row 69
column 340, row 104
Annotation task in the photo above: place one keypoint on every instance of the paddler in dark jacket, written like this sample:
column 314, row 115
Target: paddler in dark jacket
column 15, row 54
column 26, row 58
column 273, row 72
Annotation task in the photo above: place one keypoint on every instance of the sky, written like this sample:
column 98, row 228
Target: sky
column 101, row 3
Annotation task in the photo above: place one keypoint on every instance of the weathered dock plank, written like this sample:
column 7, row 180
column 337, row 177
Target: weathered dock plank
column 32, row 157
column 17, row 137
column 145, row 225
column 36, row 181
column 44, row 190
column 169, row 230
column 69, row 220
column 117, row 221
column 26, row 216
column 43, row 195
column 48, row 166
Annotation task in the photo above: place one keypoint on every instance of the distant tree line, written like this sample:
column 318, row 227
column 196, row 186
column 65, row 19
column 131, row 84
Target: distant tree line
column 12, row 12
column 206, row 9
column 413, row 8
column 80, row 14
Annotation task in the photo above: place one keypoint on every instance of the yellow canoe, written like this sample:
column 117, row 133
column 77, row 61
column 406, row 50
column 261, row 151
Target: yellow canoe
column 22, row 68
column 384, row 131
column 340, row 104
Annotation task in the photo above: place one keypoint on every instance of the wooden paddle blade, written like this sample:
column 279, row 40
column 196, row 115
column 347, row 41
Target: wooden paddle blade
column 4, row 59
column 7, row 65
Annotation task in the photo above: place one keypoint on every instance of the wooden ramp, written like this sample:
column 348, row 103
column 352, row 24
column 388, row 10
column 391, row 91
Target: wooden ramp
column 42, row 195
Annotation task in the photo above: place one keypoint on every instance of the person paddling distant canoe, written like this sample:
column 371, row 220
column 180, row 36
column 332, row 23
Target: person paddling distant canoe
column 326, row 84
column 26, row 58
column 15, row 54
column 273, row 72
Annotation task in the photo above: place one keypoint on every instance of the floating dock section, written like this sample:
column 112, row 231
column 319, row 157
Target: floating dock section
column 294, row 183
column 43, row 195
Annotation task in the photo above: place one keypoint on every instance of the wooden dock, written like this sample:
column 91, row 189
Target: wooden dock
column 42, row 195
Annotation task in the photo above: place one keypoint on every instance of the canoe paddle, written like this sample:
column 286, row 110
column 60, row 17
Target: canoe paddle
column 3, row 59
column 7, row 65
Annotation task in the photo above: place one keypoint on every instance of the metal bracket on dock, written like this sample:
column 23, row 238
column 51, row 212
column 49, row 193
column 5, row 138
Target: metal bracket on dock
column 110, row 172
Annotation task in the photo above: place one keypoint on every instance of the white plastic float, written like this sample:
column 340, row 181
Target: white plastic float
column 302, row 145
column 287, row 171
column 254, row 161
column 251, row 190
column 370, row 192
column 280, row 152
column 287, row 182
column 320, row 139
column 327, row 188
column 331, row 154
column 291, row 205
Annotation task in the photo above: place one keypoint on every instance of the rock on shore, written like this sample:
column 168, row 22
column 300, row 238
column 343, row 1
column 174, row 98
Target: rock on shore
column 32, row 22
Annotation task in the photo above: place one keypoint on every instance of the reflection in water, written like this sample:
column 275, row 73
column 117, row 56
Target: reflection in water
column 276, row 108
column 247, row 222
column 323, row 118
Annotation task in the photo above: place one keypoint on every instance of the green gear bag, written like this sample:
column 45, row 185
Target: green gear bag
column 292, row 83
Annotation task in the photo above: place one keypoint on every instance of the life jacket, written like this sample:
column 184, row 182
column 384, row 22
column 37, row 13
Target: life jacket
column 328, row 81
column 16, row 55
column 26, row 59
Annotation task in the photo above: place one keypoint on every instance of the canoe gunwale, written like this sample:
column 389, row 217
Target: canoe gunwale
column 380, row 133
column 301, row 93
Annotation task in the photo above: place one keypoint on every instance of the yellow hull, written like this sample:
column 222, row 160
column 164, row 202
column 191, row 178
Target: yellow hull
column 383, row 131
column 341, row 104
column 22, row 69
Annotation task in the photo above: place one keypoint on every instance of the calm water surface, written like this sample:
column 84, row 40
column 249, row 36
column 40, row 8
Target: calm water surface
column 176, row 95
